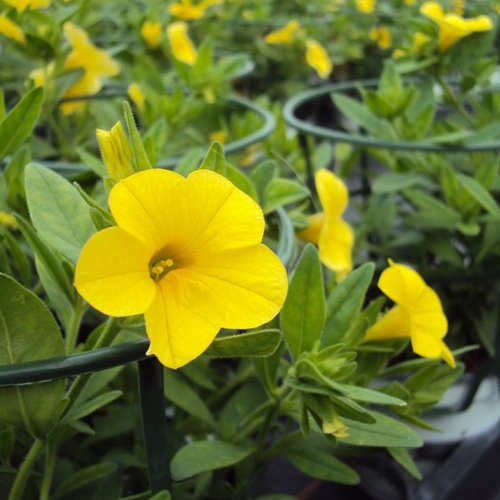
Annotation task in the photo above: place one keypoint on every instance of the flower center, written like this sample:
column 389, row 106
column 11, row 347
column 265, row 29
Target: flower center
column 158, row 268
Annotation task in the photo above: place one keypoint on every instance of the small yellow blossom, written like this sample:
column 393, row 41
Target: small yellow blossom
column 220, row 136
column 336, row 427
column 151, row 33
column 95, row 62
column 21, row 5
column 136, row 94
column 180, row 43
column 382, row 36
column 11, row 30
column 40, row 75
column 418, row 42
column 453, row 27
column 327, row 229
column 186, row 253
column 398, row 53
column 418, row 314
column 317, row 58
column 188, row 11
column 366, row 6
column 8, row 221
column 283, row 35
column 116, row 152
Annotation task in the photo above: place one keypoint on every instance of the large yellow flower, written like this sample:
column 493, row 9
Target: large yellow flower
column 317, row 58
column 11, row 30
column 186, row 10
column 187, row 253
column 327, row 229
column 95, row 62
column 453, row 27
column 418, row 314
column 21, row 5
column 283, row 35
column 180, row 43
column 151, row 33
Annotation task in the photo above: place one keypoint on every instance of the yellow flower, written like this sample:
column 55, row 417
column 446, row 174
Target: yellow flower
column 317, row 58
column 418, row 314
column 327, row 229
column 187, row 11
column 11, row 30
column 180, row 43
column 283, row 35
column 8, row 221
column 187, row 254
column 151, row 33
column 40, row 75
column 21, row 5
column 453, row 27
column 418, row 42
column 398, row 53
column 336, row 427
column 95, row 62
column 409, row 2
column 137, row 95
column 382, row 36
column 116, row 152
column 366, row 6
column 220, row 136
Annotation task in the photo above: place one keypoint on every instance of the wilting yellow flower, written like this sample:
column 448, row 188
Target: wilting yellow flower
column 116, row 152
column 418, row 314
column 135, row 93
column 95, row 62
column 336, row 427
column 20, row 5
column 317, row 58
column 151, row 33
column 186, row 10
column 327, row 229
column 8, row 221
column 366, row 6
column 283, row 35
column 180, row 43
column 187, row 254
column 382, row 36
column 453, row 27
column 220, row 136
column 11, row 30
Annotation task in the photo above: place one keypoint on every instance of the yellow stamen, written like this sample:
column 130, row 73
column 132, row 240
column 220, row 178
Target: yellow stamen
column 160, row 268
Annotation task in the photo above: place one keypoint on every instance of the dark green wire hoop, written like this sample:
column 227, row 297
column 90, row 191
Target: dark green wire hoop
column 301, row 99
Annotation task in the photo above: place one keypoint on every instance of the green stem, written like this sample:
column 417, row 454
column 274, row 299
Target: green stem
column 50, row 460
column 63, row 142
column 454, row 100
column 73, row 325
column 25, row 470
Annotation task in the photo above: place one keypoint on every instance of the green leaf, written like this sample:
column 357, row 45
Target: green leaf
column 261, row 176
column 480, row 194
column 58, row 212
column 82, row 410
column 303, row 313
column 18, row 124
column 241, row 181
column 162, row 495
column 141, row 159
column 322, row 465
column 92, row 161
column 393, row 183
column 215, row 159
column 404, row 459
column 386, row 432
column 203, row 456
column 246, row 345
column 281, row 192
column 28, row 332
column 344, row 302
column 189, row 162
column 182, row 395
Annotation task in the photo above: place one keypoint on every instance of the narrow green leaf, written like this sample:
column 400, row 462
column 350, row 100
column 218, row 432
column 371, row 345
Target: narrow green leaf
column 246, row 345
column 18, row 124
column 141, row 159
column 203, row 456
column 28, row 332
column 404, row 459
column 303, row 313
column 344, row 302
column 280, row 192
column 215, row 159
column 83, row 410
column 480, row 194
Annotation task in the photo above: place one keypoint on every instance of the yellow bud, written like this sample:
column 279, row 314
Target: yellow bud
column 151, row 33
column 317, row 58
column 336, row 427
column 116, row 152
column 11, row 30
column 8, row 221
column 137, row 95
column 180, row 43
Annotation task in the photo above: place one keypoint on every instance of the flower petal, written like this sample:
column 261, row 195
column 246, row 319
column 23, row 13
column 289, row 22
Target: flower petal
column 448, row 356
column 112, row 273
column 203, row 211
column 241, row 288
column 313, row 230
column 427, row 315
column 332, row 193
column 394, row 324
column 402, row 284
column 175, row 327
column 432, row 10
column 335, row 245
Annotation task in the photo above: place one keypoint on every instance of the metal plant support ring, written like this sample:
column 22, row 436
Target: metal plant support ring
column 307, row 128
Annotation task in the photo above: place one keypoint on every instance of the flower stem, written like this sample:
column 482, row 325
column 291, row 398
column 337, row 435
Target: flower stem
column 73, row 326
column 50, row 460
column 25, row 469
column 454, row 100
